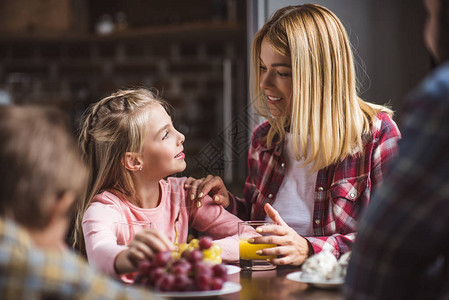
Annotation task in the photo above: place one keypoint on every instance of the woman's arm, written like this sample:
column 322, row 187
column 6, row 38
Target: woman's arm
column 214, row 187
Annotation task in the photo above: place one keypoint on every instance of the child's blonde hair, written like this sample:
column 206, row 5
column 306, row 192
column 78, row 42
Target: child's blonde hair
column 112, row 126
column 328, row 120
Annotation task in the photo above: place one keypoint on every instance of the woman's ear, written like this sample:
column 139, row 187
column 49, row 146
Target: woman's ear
column 132, row 162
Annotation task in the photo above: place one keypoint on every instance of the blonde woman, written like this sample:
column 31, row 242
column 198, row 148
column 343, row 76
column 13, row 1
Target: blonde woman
column 315, row 162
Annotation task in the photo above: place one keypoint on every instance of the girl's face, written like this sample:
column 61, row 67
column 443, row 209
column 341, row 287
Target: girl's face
column 276, row 80
column 163, row 150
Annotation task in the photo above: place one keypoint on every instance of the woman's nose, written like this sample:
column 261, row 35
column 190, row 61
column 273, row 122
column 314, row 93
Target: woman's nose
column 265, row 81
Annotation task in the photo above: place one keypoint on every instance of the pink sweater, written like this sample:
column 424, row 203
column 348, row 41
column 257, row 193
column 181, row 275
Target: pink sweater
column 102, row 238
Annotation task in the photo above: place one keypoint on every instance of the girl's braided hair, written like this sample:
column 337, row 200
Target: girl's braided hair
column 112, row 126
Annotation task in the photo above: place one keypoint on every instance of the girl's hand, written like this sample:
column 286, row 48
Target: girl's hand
column 292, row 247
column 145, row 244
column 212, row 185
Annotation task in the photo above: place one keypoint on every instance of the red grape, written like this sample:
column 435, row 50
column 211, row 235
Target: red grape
column 155, row 274
column 195, row 256
column 202, row 268
column 216, row 284
column 165, row 282
column 183, row 283
column 202, row 282
column 220, row 271
column 181, row 267
column 161, row 259
column 144, row 266
column 193, row 270
column 205, row 242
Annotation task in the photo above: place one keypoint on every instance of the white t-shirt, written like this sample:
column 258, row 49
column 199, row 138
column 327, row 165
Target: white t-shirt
column 295, row 198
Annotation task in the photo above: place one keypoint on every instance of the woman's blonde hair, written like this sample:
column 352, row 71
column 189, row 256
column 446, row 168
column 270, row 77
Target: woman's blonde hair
column 328, row 120
column 112, row 126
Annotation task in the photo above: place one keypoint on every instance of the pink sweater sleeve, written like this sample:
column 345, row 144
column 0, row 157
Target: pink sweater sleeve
column 215, row 221
column 100, row 237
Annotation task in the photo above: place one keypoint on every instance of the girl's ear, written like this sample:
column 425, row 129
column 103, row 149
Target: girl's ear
column 132, row 162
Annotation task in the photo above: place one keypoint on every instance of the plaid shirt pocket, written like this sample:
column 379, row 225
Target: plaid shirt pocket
column 350, row 189
column 347, row 197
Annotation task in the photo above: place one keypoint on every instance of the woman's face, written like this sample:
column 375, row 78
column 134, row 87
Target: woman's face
column 276, row 80
column 436, row 36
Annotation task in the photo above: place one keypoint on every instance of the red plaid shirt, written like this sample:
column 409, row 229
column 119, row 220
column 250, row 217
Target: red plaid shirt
column 342, row 190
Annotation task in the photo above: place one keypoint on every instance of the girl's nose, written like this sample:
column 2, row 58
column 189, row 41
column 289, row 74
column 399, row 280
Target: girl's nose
column 182, row 138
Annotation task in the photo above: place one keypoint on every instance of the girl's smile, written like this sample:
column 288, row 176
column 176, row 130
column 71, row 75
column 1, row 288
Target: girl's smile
column 180, row 155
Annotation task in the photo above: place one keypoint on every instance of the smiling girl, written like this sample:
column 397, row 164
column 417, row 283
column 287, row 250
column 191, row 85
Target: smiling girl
column 130, row 145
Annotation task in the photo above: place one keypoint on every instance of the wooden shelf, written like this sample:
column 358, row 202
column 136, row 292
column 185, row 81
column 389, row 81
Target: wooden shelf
column 213, row 30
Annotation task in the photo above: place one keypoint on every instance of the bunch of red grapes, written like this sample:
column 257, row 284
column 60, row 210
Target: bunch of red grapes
column 189, row 272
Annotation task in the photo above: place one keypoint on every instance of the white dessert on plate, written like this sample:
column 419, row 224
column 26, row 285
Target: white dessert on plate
column 324, row 266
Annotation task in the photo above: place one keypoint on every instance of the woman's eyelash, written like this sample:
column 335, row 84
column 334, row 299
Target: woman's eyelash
column 165, row 135
column 284, row 74
column 263, row 68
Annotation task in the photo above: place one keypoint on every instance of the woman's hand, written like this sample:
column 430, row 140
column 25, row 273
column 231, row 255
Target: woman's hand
column 212, row 185
column 145, row 244
column 292, row 247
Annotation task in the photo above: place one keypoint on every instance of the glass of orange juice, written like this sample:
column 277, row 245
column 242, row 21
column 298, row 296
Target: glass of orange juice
column 249, row 260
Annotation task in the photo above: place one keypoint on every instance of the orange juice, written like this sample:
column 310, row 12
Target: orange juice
column 249, row 260
column 248, row 251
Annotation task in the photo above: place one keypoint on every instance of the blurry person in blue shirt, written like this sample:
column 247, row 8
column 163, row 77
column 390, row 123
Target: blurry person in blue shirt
column 402, row 250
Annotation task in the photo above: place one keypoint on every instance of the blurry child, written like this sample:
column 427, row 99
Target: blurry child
column 42, row 176
column 130, row 145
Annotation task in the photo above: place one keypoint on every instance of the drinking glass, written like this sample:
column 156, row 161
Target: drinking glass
column 249, row 260
column 126, row 230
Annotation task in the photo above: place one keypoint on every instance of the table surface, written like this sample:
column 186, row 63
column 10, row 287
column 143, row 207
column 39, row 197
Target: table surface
column 274, row 284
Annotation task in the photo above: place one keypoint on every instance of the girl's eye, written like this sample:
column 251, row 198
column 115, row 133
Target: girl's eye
column 165, row 135
column 262, row 68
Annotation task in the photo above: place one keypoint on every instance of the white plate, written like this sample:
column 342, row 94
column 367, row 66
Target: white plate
column 325, row 284
column 228, row 288
column 232, row 269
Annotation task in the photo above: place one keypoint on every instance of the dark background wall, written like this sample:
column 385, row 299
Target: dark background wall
column 196, row 53
column 53, row 52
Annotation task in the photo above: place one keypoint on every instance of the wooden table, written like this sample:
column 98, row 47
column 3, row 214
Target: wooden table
column 274, row 285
